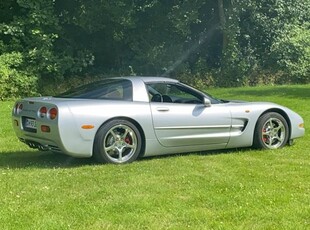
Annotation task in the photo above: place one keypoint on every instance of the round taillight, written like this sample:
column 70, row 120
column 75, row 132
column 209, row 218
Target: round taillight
column 52, row 113
column 42, row 112
column 18, row 108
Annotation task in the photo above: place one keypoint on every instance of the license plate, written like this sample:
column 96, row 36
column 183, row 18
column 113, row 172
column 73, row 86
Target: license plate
column 30, row 123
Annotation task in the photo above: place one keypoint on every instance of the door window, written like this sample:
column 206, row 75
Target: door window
column 173, row 93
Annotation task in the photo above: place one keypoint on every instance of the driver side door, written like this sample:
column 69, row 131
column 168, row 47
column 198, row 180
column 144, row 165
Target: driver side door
column 182, row 119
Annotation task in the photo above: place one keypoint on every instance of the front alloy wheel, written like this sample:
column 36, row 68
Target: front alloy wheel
column 271, row 131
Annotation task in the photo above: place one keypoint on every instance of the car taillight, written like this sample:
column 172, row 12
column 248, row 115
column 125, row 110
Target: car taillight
column 42, row 112
column 18, row 108
column 52, row 113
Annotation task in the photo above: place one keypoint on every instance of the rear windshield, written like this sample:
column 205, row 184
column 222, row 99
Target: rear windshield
column 110, row 89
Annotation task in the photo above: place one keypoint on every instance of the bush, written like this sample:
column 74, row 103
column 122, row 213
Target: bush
column 292, row 53
column 15, row 83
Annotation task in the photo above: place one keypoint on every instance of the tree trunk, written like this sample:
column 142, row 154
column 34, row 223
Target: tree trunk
column 222, row 25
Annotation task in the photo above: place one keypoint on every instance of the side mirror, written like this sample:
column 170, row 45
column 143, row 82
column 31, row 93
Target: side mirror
column 206, row 102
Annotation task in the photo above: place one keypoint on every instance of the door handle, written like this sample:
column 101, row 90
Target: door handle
column 162, row 109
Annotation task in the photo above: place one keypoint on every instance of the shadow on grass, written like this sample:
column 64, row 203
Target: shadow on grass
column 202, row 153
column 37, row 159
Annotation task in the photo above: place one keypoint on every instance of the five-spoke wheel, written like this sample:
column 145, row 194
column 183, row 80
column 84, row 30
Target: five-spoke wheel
column 271, row 131
column 118, row 141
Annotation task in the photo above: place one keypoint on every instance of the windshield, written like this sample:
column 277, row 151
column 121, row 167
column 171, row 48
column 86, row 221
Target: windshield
column 111, row 89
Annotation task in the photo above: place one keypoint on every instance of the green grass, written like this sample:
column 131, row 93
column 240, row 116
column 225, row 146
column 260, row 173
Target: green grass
column 229, row 189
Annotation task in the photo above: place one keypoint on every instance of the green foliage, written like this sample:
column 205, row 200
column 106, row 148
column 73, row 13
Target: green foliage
column 273, row 38
column 233, row 42
column 14, row 82
column 33, row 29
column 292, row 52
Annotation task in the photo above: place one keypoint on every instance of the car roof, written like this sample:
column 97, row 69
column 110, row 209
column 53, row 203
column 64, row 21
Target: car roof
column 146, row 79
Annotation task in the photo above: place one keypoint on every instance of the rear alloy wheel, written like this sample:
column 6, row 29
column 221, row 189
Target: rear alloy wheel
column 271, row 131
column 118, row 141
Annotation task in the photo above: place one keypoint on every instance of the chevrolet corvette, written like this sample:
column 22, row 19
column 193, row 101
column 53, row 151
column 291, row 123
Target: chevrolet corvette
column 118, row 120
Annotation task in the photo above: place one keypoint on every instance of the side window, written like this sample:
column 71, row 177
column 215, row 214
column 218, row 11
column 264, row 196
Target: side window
column 120, row 90
column 106, row 89
column 172, row 93
column 113, row 92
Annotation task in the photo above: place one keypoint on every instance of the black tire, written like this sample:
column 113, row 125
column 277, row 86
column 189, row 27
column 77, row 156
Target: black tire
column 118, row 142
column 271, row 131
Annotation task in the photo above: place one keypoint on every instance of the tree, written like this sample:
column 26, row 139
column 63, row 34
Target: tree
column 223, row 42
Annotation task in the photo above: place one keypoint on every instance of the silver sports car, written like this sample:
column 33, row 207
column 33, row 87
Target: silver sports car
column 117, row 120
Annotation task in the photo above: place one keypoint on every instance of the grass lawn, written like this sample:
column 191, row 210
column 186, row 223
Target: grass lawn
column 229, row 189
